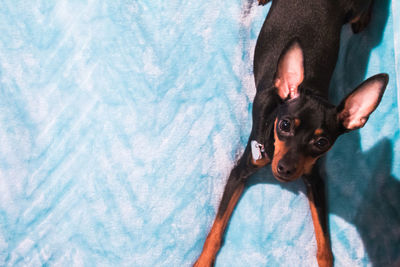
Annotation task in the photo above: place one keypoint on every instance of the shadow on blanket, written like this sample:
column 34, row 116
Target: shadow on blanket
column 365, row 194
column 362, row 190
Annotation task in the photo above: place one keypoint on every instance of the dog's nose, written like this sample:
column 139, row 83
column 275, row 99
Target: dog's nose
column 286, row 169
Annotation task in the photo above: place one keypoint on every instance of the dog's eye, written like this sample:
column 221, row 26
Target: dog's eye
column 285, row 126
column 322, row 143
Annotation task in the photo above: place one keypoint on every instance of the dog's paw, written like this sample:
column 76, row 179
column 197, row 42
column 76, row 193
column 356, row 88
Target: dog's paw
column 325, row 259
column 261, row 162
column 259, row 157
column 204, row 262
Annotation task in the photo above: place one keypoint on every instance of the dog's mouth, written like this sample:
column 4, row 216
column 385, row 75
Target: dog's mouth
column 283, row 179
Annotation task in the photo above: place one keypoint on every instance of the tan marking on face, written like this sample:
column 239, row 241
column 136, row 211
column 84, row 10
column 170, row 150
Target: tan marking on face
column 299, row 172
column 318, row 131
column 308, row 164
column 279, row 152
column 297, row 122
column 305, row 163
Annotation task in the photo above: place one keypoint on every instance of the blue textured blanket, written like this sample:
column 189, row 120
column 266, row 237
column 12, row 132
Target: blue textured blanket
column 120, row 121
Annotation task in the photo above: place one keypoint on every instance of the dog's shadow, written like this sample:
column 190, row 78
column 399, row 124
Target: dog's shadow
column 360, row 187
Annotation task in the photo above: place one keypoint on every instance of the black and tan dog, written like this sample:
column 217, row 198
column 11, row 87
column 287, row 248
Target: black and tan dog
column 293, row 122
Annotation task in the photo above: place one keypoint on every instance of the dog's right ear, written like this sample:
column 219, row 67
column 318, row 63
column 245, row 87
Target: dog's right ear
column 356, row 108
column 290, row 71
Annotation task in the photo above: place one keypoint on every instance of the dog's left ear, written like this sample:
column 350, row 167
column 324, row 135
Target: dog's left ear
column 355, row 109
column 290, row 71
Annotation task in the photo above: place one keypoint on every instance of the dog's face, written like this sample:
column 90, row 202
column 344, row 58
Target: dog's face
column 307, row 126
column 304, row 130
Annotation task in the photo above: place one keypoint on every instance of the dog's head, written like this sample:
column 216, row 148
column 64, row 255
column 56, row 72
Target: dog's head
column 306, row 125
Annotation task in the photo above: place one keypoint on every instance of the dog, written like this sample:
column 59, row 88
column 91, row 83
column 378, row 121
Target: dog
column 293, row 122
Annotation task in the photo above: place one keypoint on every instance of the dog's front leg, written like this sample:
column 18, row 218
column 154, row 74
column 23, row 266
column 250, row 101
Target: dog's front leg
column 316, row 197
column 232, row 192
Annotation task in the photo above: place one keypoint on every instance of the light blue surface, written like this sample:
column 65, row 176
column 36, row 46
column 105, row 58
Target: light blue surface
column 120, row 121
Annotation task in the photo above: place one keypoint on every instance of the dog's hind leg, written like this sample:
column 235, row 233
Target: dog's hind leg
column 214, row 238
column 264, row 103
column 232, row 193
column 316, row 197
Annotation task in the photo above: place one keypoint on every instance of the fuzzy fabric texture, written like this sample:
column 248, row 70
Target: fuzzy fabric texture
column 121, row 120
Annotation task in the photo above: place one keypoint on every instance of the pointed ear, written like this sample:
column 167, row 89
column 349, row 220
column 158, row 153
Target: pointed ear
column 290, row 71
column 355, row 109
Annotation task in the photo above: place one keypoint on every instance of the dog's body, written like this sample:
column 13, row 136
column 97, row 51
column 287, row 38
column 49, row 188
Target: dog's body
column 317, row 26
column 293, row 122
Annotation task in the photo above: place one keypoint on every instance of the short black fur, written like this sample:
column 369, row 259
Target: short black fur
column 313, row 124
